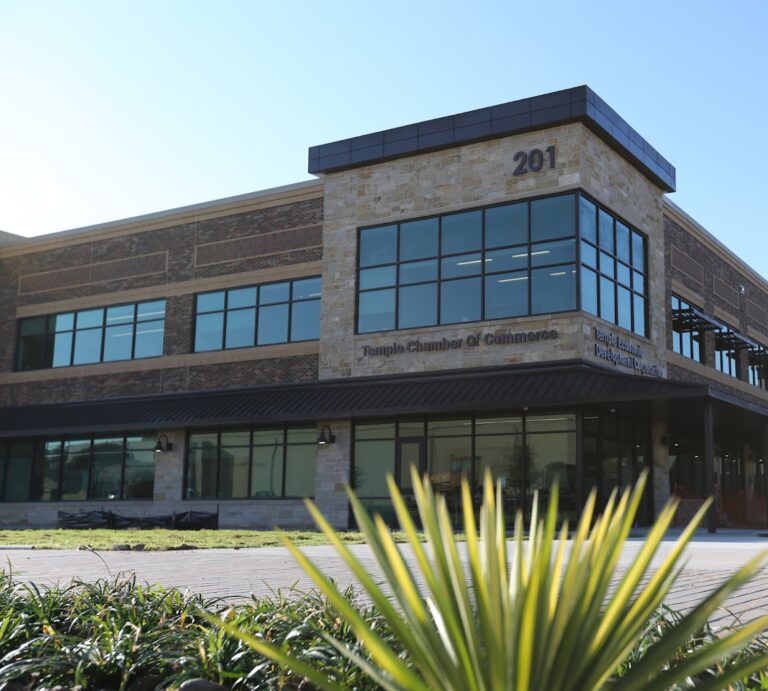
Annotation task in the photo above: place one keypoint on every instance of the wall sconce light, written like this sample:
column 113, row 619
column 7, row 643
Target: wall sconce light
column 163, row 444
column 324, row 438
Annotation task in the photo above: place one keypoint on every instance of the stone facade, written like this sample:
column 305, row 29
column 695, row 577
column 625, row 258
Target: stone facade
column 467, row 177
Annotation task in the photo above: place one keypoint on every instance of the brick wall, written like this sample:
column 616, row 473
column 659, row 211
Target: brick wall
column 703, row 277
column 148, row 263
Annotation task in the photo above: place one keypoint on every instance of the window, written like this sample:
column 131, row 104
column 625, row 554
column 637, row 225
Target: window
column 104, row 334
column 726, row 355
column 503, row 261
column 524, row 452
column 90, row 468
column 685, row 340
column 258, row 315
column 758, row 375
column 613, row 268
column 257, row 463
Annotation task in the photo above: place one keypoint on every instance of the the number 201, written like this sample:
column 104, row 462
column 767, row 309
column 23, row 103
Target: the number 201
column 533, row 160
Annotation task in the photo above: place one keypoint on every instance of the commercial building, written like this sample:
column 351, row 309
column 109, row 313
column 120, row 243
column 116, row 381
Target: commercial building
column 506, row 288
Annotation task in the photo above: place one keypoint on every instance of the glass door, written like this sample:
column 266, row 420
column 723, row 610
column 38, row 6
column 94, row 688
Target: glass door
column 411, row 451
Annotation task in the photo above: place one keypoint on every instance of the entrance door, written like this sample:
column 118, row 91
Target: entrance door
column 411, row 451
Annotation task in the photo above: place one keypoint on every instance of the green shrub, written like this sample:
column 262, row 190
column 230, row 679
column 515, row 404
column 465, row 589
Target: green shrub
column 542, row 614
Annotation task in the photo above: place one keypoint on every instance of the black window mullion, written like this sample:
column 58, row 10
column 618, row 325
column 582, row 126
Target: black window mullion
column 218, row 460
column 250, row 461
column 90, row 471
column 577, row 206
column 285, row 460
column 135, row 328
column 122, row 468
column 289, row 334
column 224, row 322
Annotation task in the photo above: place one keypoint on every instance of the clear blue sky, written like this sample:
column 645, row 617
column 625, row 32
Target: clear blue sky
column 111, row 109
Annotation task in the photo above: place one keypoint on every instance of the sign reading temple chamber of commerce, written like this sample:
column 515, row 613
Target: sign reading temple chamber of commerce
column 621, row 351
column 471, row 341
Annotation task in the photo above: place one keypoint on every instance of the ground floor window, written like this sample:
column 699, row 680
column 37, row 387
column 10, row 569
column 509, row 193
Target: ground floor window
column 251, row 462
column 98, row 468
column 523, row 452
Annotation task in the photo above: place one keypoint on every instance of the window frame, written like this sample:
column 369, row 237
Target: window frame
column 678, row 337
column 614, row 256
column 225, row 311
column 50, row 333
column 529, row 246
column 38, row 452
column 251, row 429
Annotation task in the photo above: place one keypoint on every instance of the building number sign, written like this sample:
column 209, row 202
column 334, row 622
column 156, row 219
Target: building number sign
column 533, row 161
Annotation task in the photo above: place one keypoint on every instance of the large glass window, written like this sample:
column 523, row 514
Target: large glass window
column 258, row 463
column 685, row 341
column 105, row 334
column 88, row 468
column 259, row 315
column 503, row 261
column 523, row 452
column 613, row 268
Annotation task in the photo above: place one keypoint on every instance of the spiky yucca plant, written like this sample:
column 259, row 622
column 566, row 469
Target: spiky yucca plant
column 526, row 614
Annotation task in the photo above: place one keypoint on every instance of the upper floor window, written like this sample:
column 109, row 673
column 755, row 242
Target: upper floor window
column 511, row 260
column 258, row 315
column 613, row 268
column 758, row 374
column 726, row 351
column 97, row 468
column 103, row 334
column 503, row 261
column 686, row 330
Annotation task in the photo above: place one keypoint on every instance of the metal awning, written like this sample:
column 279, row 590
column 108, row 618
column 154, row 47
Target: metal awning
column 564, row 384
column 691, row 319
column 731, row 340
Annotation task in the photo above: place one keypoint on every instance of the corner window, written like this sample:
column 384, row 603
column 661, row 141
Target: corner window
column 613, row 268
column 256, row 463
column 258, row 315
column 503, row 261
column 103, row 334
column 90, row 468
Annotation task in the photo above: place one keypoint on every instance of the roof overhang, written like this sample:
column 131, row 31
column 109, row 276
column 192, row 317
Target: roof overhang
column 566, row 383
column 579, row 104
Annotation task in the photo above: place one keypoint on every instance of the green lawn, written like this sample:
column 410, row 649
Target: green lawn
column 157, row 539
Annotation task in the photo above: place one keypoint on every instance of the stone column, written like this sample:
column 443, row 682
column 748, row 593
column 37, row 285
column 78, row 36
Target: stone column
column 660, row 456
column 333, row 471
column 169, row 472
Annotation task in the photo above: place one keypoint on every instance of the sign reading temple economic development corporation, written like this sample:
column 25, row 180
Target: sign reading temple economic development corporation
column 471, row 341
column 621, row 351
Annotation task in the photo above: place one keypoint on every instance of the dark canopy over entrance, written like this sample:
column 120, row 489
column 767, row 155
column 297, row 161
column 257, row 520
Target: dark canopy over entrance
column 561, row 384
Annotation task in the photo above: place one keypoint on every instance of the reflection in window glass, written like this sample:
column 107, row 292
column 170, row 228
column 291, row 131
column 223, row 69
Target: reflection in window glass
column 418, row 239
column 460, row 301
column 373, row 460
column 376, row 311
column 480, row 260
column 89, row 336
column 379, row 246
column 506, row 295
column 287, row 311
column 506, row 225
column 418, row 305
column 619, row 294
column 553, row 289
column 278, row 462
column 461, row 232
column 553, row 217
